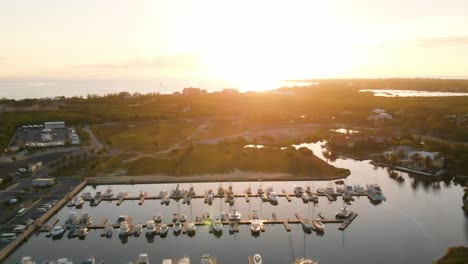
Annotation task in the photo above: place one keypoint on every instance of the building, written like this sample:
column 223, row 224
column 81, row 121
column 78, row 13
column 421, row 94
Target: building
column 414, row 158
column 43, row 182
column 54, row 124
column 193, row 91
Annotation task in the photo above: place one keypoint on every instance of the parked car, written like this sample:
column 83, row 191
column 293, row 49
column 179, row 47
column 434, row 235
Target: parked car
column 19, row 229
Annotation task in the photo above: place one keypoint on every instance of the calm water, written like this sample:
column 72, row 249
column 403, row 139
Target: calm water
column 411, row 93
column 416, row 224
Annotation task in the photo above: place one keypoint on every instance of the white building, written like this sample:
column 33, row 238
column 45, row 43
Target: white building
column 43, row 182
column 54, row 125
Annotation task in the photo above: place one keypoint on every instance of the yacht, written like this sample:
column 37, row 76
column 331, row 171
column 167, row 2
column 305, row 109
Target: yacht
column 183, row 217
column 191, row 227
column 150, row 227
column 79, row 202
column 207, row 259
column 306, row 224
column 175, row 217
column 122, row 218
column 57, row 231
column 298, row 190
column 87, row 195
column 375, row 191
column 257, row 259
column 235, row 215
column 138, row 229
column 273, row 197
column 142, row 259
column 164, row 229
column 109, row 193
column 343, row 213
column 184, row 260
column 313, row 198
column 305, row 197
column 305, row 261
column 158, row 218
column 82, row 231
column 207, row 216
column 90, row 260
column 255, row 226
column 318, row 224
column 217, row 226
column 124, row 228
column 27, row 260
column 85, row 219
column 177, row 227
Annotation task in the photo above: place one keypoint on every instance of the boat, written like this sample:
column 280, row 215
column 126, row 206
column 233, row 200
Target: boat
column 186, row 199
column 318, row 224
column 255, row 214
column 71, row 218
column 235, row 215
column 120, row 195
column 184, row 260
column 166, row 200
column 122, row 218
column 298, row 190
column 220, row 190
column 108, row 231
column 223, row 216
column 207, row 259
column 264, row 197
column 142, row 259
column 26, row 260
column 177, row 227
column 273, row 197
column 329, row 188
column 90, row 260
column 320, row 190
column 150, row 227
column 138, row 229
column 60, row 261
column 158, row 218
column 191, row 227
column 313, row 198
column 207, row 216
column 210, row 197
column 305, row 261
column 305, row 197
column 79, row 201
column 217, row 226
column 109, row 193
column 175, row 217
column 164, row 229
column 57, row 231
column 306, row 224
column 183, row 217
column 260, row 190
column 339, row 188
column 343, row 213
column 249, row 191
column 71, row 203
column 349, row 189
column 231, row 200
column 255, row 226
column 177, row 192
column 85, row 219
column 257, row 259
column 233, row 227
column 124, row 228
column 191, row 191
column 82, row 231
column 87, row 195
column 359, row 189
column 142, row 193
column 375, row 192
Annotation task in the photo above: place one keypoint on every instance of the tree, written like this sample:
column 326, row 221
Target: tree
column 13, row 158
column 428, row 162
column 394, row 159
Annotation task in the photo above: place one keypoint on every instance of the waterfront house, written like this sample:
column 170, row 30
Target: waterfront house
column 414, row 158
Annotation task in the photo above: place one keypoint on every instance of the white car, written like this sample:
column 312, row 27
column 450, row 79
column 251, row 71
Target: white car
column 47, row 206
column 19, row 229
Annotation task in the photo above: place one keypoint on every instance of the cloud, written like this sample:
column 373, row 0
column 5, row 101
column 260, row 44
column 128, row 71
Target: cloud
column 444, row 42
column 169, row 62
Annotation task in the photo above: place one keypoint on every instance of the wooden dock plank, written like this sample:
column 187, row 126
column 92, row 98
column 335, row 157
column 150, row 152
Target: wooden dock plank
column 142, row 200
column 122, row 198
column 104, row 221
column 286, row 195
column 348, row 221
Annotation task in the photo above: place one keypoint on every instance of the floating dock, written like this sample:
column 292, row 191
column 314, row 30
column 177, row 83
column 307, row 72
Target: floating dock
column 286, row 195
column 122, row 198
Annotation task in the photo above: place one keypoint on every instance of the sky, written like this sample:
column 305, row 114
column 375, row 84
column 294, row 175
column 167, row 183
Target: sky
column 239, row 42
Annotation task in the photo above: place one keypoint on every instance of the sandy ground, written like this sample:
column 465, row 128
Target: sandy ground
column 235, row 176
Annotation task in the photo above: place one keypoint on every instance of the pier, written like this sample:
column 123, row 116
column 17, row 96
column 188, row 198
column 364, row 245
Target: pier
column 286, row 195
column 125, row 194
column 142, row 200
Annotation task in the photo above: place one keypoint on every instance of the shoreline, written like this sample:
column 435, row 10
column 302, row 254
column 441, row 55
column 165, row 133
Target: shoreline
column 230, row 177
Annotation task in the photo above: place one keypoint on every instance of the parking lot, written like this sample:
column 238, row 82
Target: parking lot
column 38, row 137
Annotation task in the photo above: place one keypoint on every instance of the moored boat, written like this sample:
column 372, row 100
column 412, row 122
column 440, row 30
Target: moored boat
column 142, row 259
column 235, row 215
column 255, row 226
column 318, row 224
column 150, row 227
column 217, row 226
column 343, row 213
column 306, row 224
column 57, row 231
column 177, row 227
column 257, row 259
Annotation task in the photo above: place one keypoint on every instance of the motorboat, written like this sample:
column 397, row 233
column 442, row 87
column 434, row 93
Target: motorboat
column 138, row 229
column 305, row 197
column 122, row 218
column 305, row 261
column 109, row 193
column 264, row 197
column 85, row 219
column 235, row 215
column 207, row 216
column 375, row 191
column 223, row 216
column 82, row 231
column 343, row 213
column 260, row 190
column 90, row 260
column 71, row 203
column 183, row 217
column 273, row 197
column 27, row 260
column 150, row 227
column 359, row 189
column 255, row 214
column 313, row 198
column 257, row 259
column 87, row 195
column 217, row 226
column 191, row 227
column 57, row 231
column 175, row 217
column 79, row 201
column 164, row 229
column 191, row 191
column 184, row 260
column 142, row 193
column 320, row 190
column 255, row 226
column 306, row 224
column 207, row 259
column 220, row 190
column 233, row 227
column 177, row 227
column 7, row 237
column 177, row 191
column 249, row 191
column 124, row 228
column 158, row 218
column 298, row 190
column 109, row 231
column 318, row 224
column 71, row 218
column 142, row 259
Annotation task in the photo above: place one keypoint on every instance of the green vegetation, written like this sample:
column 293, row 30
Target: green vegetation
column 455, row 255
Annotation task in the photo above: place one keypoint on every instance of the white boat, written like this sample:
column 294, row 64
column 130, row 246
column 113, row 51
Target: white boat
column 223, row 216
column 235, row 215
column 120, row 195
column 177, row 191
column 90, row 260
column 184, row 260
column 255, row 226
column 207, row 216
column 343, row 213
column 122, row 218
column 82, row 231
column 87, row 195
column 183, row 217
column 138, row 229
column 257, row 259
column 57, row 231
column 207, row 259
column 210, row 197
column 142, row 259
column 27, row 260
column 164, row 229
column 109, row 193
column 298, row 190
column 264, row 197
column 220, row 190
column 150, row 227
column 63, row 261
column 349, row 189
column 305, row 261
column 79, row 202
column 86, row 219
column 273, row 197
column 177, row 227
column 7, row 237
column 191, row 227
column 109, row 231
column 375, row 191
column 233, row 227
column 158, row 218
column 175, row 217
column 260, row 190
column 71, row 218
column 306, row 224
column 217, row 226
column 318, row 224
column 305, row 197
column 167, row 200
column 359, row 189
column 255, row 215
column 124, row 228
column 339, row 188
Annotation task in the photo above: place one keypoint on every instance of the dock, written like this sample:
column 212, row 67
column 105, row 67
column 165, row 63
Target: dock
column 330, row 196
column 286, row 225
column 104, row 221
column 247, row 199
column 348, row 221
column 122, row 198
column 142, row 200
column 286, row 195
